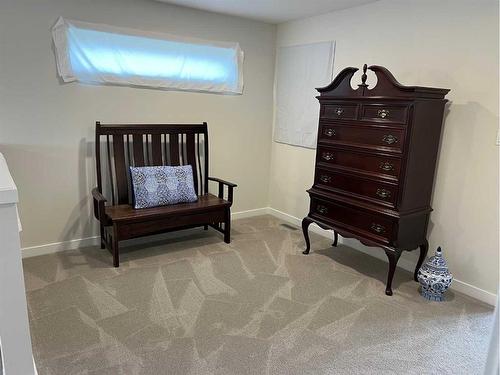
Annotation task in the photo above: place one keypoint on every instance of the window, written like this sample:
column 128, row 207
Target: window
column 103, row 54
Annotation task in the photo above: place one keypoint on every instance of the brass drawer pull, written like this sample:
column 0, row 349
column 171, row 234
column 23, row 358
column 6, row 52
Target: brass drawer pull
column 383, row 193
column 389, row 139
column 386, row 166
column 329, row 132
column 327, row 155
column 325, row 178
column 339, row 111
column 321, row 209
column 383, row 113
column 378, row 228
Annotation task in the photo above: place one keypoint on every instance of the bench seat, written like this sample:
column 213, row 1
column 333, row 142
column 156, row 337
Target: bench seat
column 126, row 213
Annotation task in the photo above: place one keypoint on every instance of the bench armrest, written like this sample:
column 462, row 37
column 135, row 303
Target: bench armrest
column 230, row 187
column 230, row 184
column 99, row 202
column 97, row 195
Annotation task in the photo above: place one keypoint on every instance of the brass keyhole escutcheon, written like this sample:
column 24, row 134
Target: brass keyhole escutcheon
column 322, row 209
column 386, row 166
column 383, row 113
column 383, row 193
column 325, row 178
column 389, row 139
column 327, row 156
column 378, row 228
column 329, row 132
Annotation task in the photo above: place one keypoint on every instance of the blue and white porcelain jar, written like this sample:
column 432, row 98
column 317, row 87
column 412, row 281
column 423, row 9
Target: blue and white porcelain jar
column 434, row 277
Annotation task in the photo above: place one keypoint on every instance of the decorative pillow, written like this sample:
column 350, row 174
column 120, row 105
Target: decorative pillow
column 159, row 186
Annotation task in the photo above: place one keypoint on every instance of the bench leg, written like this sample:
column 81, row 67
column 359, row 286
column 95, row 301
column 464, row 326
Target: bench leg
column 103, row 237
column 115, row 249
column 227, row 227
column 335, row 238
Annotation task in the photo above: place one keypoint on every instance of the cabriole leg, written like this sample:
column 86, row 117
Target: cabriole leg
column 305, row 226
column 423, row 253
column 393, row 261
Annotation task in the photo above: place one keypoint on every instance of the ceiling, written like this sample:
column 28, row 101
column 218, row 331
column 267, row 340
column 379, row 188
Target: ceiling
column 272, row 11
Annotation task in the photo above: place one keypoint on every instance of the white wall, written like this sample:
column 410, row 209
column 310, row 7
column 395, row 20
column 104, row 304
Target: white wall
column 46, row 127
column 447, row 43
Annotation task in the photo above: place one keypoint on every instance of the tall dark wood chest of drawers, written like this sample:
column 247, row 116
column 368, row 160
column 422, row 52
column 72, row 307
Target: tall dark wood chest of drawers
column 375, row 162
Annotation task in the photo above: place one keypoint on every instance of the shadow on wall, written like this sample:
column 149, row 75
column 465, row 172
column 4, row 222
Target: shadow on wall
column 438, row 157
column 82, row 213
column 462, row 195
column 54, row 184
column 86, row 181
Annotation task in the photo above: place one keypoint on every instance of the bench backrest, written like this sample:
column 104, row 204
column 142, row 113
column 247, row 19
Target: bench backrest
column 119, row 146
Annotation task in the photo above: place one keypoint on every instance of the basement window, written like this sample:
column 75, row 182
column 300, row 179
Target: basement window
column 103, row 54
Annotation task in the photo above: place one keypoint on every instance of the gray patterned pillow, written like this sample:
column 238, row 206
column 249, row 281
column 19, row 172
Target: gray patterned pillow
column 159, row 186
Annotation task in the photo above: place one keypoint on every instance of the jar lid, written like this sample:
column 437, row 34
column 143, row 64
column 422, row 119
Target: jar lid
column 437, row 262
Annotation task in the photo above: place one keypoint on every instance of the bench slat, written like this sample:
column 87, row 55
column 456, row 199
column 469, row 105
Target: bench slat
column 174, row 149
column 120, row 170
column 138, row 150
column 191, row 158
column 198, row 158
column 156, row 149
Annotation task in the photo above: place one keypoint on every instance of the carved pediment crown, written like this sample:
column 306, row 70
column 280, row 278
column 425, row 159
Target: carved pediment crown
column 387, row 86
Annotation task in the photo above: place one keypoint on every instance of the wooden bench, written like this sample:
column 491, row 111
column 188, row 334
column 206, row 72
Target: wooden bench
column 153, row 145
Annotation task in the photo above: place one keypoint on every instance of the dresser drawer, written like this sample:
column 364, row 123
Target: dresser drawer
column 386, row 139
column 383, row 166
column 353, row 219
column 339, row 111
column 359, row 187
column 397, row 114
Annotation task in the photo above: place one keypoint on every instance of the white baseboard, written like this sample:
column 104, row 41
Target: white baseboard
column 249, row 213
column 55, row 247
column 459, row 286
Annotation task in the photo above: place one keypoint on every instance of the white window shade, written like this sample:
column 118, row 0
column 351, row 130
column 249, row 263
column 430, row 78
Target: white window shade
column 299, row 70
column 104, row 54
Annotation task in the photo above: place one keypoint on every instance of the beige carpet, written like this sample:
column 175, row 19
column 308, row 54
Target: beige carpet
column 194, row 305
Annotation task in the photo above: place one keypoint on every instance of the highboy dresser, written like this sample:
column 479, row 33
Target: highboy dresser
column 375, row 162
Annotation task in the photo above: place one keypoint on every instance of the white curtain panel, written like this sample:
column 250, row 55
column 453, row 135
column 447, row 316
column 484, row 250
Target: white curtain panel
column 300, row 70
column 96, row 53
